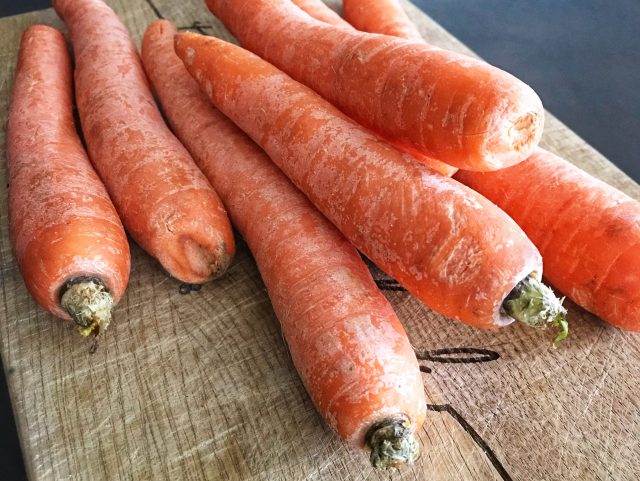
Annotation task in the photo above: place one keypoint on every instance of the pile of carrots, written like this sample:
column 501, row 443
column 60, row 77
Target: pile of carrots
column 319, row 138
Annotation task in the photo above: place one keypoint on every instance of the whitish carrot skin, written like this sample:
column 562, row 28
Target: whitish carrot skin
column 446, row 105
column 449, row 246
column 63, row 225
column 381, row 16
column 587, row 231
column 346, row 342
column 165, row 202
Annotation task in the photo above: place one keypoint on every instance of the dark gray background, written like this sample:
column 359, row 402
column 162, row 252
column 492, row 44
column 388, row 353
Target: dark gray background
column 581, row 56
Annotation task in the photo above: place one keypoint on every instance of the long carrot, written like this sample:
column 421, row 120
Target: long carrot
column 381, row 16
column 587, row 231
column 164, row 201
column 320, row 11
column 446, row 244
column 346, row 342
column 66, row 235
column 448, row 106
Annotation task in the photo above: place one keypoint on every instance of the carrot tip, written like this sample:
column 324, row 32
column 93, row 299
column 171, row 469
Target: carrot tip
column 89, row 304
column 392, row 444
column 524, row 130
column 535, row 304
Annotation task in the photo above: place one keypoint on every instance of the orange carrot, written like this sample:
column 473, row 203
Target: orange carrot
column 66, row 235
column 446, row 244
column 320, row 11
column 587, row 231
column 448, row 106
column 381, row 16
column 346, row 342
column 163, row 199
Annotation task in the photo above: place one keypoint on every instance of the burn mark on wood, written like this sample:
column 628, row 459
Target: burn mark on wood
column 389, row 285
column 458, row 355
column 197, row 26
column 481, row 443
column 155, row 9
column 463, row 355
column 188, row 288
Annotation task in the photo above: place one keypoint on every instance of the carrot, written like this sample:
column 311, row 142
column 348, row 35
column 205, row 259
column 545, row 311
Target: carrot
column 446, row 244
column 587, row 231
column 346, row 342
column 381, row 16
column 448, row 106
column 320, row 11
column 66, row 235
column 163, row 199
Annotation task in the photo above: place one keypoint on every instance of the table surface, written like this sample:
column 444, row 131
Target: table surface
column 191, row 387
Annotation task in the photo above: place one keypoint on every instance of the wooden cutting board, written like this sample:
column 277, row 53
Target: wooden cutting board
column 201, row 386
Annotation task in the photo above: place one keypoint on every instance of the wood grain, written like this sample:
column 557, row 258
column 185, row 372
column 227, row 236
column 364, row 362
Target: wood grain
column 201, row 386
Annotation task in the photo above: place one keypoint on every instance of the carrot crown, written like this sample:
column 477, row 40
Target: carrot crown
column 392, row 444
column 89, row 304
column 536, row 305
